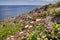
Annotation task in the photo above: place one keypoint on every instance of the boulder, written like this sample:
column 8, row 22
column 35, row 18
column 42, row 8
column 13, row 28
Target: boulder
column 56, row 20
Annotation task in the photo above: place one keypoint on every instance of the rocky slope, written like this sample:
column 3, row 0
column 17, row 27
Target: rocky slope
column 43, row 21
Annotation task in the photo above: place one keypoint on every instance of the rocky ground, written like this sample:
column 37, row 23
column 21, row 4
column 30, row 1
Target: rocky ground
column 43, row 21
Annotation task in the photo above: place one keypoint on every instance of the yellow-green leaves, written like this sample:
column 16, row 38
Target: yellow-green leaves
column 55, row 26
column 39, row 31
column 7, row 30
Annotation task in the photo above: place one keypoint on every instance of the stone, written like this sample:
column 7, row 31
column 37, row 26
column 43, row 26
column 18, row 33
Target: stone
column 30, row 26
column 8, row 38
column 38, row 19
column 26, row 26
column 56, row 20
column 32, row 22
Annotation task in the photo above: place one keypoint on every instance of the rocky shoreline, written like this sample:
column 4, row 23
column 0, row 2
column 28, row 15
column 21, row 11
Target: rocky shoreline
column 46, row 18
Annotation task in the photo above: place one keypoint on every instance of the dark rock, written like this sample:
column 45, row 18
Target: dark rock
column 9, row 19
column 39, row 9
column 56, row 20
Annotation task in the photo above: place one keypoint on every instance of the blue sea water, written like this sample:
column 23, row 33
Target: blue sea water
column 14, row 10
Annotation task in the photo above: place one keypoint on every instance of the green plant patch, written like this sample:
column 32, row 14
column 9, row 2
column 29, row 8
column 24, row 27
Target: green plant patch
column 7, row 30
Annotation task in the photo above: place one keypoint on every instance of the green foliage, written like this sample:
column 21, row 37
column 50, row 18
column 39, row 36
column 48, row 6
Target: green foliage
column 54, row 12
column 7, row 30
column 54, row 34
column 55, row 26
column 57, row 4
column 54, row 5
column 52, row 9
column 33, row 36
column 57, row 14
column 39, row 31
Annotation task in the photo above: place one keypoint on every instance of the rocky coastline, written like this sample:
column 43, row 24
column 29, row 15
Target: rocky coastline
column 45, row 18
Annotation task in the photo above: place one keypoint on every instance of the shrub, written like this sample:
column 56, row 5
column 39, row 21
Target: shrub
column 39, row 31
column 7, row 30
column 57, row 14
column 55, row 32
column 55, row 26
column 57, row 4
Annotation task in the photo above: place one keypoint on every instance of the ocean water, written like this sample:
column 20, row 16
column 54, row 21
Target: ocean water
column 14, row 10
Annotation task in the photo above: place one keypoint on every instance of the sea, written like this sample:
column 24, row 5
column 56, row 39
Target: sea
column 15, row 10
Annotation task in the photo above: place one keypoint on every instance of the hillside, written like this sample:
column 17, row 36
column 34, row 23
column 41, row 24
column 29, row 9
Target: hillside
column 42, row 23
